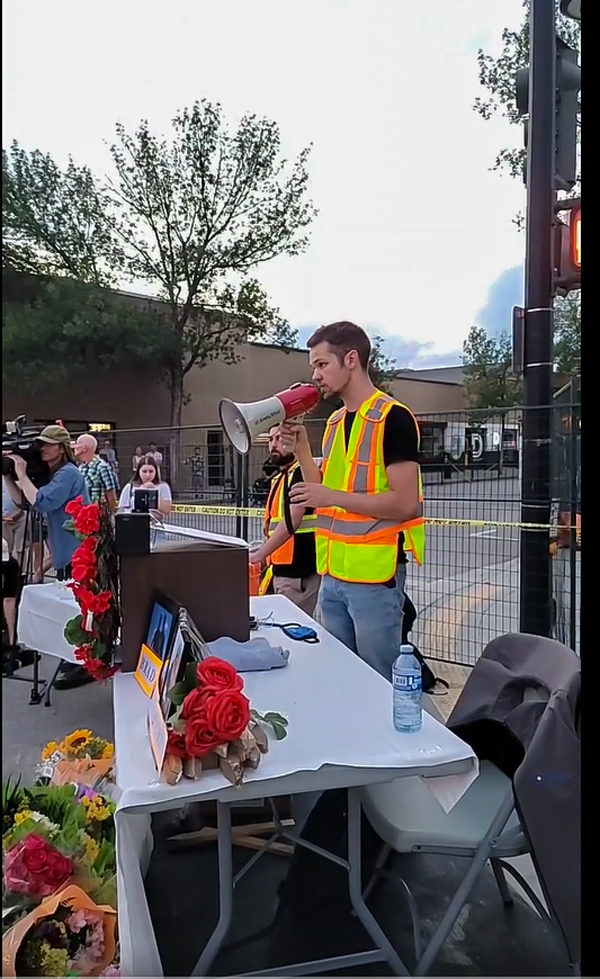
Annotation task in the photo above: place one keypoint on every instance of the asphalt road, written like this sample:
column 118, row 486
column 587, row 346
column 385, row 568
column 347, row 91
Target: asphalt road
column 466, row 593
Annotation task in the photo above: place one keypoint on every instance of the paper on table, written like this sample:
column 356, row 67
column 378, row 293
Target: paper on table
column 449, row 789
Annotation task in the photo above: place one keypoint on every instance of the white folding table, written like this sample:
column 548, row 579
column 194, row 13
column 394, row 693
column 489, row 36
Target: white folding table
column 340, row 735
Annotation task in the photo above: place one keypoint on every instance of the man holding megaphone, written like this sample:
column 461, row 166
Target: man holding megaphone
column 289, row 548
column 367, row 494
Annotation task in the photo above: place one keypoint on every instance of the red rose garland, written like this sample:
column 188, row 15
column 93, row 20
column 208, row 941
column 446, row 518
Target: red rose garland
column 91, row 632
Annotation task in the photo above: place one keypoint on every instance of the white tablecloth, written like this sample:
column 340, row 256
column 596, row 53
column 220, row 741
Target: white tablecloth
column 340, row 734
column 44, row 611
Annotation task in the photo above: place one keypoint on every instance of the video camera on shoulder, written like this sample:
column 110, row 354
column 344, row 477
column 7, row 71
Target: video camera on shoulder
column 22, row 441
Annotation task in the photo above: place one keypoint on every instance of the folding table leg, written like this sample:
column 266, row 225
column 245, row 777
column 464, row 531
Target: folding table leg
column 355, row 884
column 50, row 684
column 225, row 861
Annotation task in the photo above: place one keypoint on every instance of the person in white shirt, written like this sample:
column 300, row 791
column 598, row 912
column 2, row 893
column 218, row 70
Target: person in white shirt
column 147, row 476
column 13, row 524
column 156, row 455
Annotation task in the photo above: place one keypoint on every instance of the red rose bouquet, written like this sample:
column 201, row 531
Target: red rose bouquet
column 93, row 632
column 214, row 725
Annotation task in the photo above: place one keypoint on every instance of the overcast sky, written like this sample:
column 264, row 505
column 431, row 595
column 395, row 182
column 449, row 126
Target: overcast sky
column 414, row 231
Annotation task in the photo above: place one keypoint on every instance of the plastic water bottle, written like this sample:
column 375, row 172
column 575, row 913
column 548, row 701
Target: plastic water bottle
column 407, row 692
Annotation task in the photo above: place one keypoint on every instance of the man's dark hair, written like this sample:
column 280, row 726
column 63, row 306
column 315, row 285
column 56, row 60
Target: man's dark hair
column 342, row 338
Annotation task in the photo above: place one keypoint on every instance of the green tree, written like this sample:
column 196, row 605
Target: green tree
column 489, row 380
column 194, row 215
column 498, row 77
column 191, row 217
column 381, row 367
column 52, row 328
column 567, row 333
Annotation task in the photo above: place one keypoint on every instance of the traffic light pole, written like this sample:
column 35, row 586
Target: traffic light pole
column 536, row 568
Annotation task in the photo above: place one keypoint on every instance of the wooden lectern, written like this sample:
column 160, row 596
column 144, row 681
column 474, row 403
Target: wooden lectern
column 209, row 579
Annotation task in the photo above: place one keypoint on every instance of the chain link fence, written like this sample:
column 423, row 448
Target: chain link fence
column 468, row 591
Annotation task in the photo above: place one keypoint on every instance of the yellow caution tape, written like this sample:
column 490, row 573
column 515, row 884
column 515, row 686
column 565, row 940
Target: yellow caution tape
column 233, row 511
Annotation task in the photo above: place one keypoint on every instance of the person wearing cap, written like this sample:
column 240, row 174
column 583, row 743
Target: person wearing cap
column 66, row 483
column 99, row 475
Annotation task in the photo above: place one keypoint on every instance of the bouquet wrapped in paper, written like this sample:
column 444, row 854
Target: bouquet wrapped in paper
column 80, row 757
column 66, row 934
column 53, row 836
column 214, row 725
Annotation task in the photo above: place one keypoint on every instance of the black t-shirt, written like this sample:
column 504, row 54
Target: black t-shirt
column 400, row 444
column 304, row 562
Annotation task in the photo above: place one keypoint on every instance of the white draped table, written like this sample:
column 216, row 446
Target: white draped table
column 340, row 735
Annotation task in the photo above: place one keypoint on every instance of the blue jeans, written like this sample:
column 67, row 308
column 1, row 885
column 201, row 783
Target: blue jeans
column 366, row 618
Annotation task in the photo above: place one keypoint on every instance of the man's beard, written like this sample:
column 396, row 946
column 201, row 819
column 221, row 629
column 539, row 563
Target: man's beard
column 277, row 459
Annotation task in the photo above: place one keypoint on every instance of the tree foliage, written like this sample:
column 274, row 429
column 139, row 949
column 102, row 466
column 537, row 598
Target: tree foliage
column 190, row 216
column 498, row 77
column 489, row 380
column 55, row 327
column 567, row 334
column 195, row 214
column 381, row 367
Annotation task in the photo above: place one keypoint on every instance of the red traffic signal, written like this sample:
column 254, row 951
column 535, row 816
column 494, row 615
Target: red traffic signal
column 568, row 246
column 576, row 238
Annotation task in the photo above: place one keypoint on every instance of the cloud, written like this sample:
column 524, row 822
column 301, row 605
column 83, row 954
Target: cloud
column 507, row 291
column 413, row 227
column 415, row 354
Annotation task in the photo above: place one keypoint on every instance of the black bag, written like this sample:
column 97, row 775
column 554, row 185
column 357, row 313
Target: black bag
column 428, row 678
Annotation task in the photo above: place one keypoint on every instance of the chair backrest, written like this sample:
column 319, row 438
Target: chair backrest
column 548, row 798
column 507, row 693
column 520, row 709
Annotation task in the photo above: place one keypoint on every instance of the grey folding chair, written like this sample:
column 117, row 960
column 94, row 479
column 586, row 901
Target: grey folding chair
column 514, row 716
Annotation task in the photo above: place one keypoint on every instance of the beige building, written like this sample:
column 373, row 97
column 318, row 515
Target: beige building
column 135, row 410
column 125, row 400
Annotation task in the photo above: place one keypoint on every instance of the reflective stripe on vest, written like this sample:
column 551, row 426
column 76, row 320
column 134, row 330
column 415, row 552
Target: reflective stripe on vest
column 274, row 515
column 349, row 546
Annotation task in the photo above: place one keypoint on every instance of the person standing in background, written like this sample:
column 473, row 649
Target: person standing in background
column 156, row 455
column 290, row 558
column 110, row 456
column 99, row 475
column 14, row 522
column 136, row 458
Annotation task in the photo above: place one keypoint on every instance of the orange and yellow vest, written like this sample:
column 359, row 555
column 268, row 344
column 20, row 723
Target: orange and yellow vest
column 349, row 546
column 274, row 514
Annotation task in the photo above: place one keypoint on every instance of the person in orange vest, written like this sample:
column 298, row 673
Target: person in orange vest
column 368, row 497
column 290, row 557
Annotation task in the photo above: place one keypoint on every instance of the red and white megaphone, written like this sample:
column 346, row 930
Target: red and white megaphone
column 243, row 422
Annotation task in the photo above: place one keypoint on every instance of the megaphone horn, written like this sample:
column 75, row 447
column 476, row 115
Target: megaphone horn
column 243, row 422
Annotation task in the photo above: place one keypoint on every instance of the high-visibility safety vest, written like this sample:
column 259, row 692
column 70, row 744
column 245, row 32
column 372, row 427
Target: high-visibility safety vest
column 349, row 546
column 274, row 514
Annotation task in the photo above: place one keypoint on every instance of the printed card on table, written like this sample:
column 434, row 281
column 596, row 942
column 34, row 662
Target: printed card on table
column 157, row 730
column 148, row 670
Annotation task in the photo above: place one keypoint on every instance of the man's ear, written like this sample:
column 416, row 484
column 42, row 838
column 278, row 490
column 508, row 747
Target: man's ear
column 351, row 360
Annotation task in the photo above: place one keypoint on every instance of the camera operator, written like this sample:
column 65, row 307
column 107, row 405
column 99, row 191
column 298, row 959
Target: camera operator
column 66, row 484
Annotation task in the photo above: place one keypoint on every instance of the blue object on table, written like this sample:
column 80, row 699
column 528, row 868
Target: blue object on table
column 301, row 633
column 247, row 657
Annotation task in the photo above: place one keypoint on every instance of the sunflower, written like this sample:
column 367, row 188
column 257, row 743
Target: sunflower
column 49, row 750
column 76, row 742
column 108, row 751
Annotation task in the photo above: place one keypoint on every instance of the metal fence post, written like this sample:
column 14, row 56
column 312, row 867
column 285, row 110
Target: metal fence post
column 239, row 492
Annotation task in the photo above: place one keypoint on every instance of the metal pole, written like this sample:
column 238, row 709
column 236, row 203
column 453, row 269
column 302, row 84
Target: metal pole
column 536, row 568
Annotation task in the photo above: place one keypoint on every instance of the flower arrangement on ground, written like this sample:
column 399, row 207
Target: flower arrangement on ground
column 52, row 836
column 94, row 585
column 80, row 757
column 67, row 935
column 214, row 725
